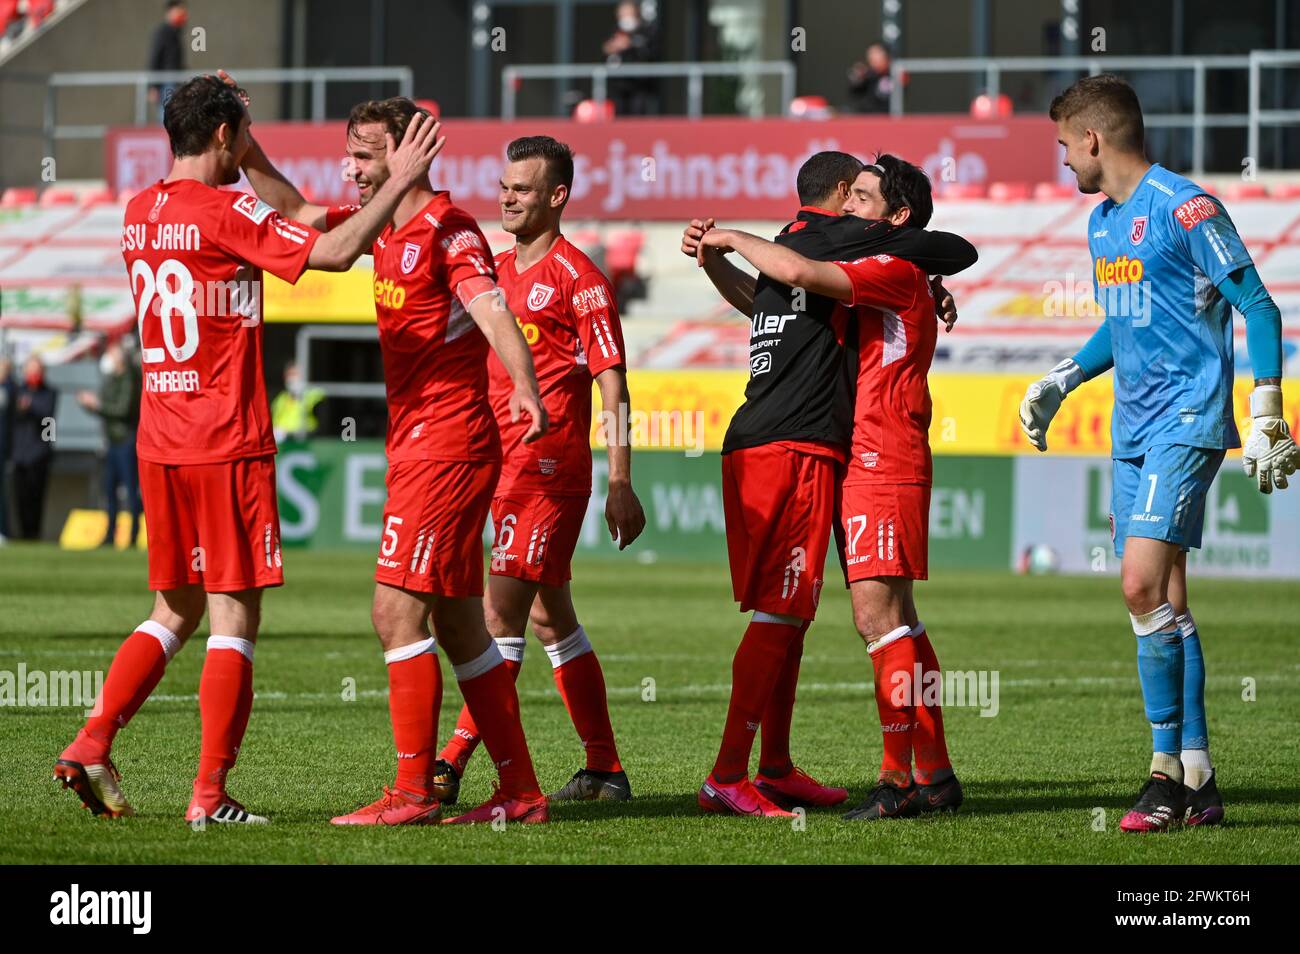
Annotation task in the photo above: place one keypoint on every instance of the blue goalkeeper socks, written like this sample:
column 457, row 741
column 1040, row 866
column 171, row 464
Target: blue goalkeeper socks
column 1160, row 670
column 1196, row 735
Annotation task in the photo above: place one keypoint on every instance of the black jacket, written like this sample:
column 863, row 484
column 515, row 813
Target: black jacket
column 29, row 445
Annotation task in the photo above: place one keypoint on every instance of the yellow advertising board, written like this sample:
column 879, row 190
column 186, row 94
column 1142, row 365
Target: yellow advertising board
column 324, row 297
column 974, row 414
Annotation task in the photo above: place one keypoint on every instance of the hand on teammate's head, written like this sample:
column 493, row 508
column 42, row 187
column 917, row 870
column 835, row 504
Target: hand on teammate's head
column 409, row 161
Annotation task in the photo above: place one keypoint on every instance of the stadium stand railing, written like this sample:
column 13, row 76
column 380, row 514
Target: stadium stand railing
column 141, row 80
column 1198, row 121
column 600, row 74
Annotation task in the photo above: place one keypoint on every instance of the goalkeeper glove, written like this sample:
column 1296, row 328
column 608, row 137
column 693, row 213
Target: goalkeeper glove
column 1043, row 400
column 1270, row 454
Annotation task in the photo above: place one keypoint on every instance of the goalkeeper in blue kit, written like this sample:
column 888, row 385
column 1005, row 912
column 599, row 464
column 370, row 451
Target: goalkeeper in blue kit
column 1168, row 269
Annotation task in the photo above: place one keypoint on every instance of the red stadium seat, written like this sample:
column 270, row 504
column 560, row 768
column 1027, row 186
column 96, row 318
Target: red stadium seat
column 1246, row 190
column 56, row 196
column 97, row 197
column 1010, row 191
column 1046, row 191
column 431, row 106
column 810, row 107
column 1285, row 190
column 588, row 111
column 621, row 251
column 985, row 106
column 14, row 198
column 38, row 10
column 962, row 190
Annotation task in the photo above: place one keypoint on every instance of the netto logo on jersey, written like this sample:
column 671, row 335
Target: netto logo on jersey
column 389, row 294
column 1119, row 271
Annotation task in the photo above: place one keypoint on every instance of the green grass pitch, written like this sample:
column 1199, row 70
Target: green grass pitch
column 1069, row 736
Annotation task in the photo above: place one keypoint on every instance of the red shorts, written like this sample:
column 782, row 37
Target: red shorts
column 214, row 524
column 536, row 536
column 779, row 503
column 433, row 526
column 884, row 530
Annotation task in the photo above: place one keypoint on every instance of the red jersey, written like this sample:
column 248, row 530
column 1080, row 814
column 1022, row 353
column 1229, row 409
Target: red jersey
column 195, row 255
column 896, row 336
column 565, row 308
column 435, row 357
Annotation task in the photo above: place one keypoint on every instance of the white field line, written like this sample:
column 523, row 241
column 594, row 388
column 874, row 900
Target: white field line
column 668, row 690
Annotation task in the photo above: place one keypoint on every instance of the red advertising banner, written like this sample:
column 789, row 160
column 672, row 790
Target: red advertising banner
column 648, row 168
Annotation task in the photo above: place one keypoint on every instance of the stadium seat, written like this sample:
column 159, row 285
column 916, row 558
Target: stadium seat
column 1010, row 191
column 985, row 106
column 54, row 196
column 38, row 11
column 810, row 107
column 1246, row 190
column 431, row 106
column 962, row 190
column 97, row 197
column 14, row 197
column 588, row 111
column 1045, row 191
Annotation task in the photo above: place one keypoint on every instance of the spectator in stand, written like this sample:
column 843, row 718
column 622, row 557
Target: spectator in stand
column 11, row 20
column 33, row 446
column 293, row 412
column 167, row 50
column 870, row 83
column 118, row 403
column 635, row 40
column 8, row 395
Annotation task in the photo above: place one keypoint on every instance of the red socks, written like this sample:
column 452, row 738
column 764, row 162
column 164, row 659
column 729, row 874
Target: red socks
column 465, row 739
column 414, row 698
column 225, row 701
column 489, row 691
column 134, row 673
column 893, row 657
column 931, row 747
column 581, row 683
column 774, row 756
column 754, row 672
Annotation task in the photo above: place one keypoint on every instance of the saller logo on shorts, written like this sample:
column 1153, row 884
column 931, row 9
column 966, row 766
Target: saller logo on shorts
column 798, row 562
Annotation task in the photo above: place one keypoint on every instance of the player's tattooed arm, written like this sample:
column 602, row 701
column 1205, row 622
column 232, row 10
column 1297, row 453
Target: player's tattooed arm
column 408, row 163
column 733, row 284
column 780, row 263
column 623, row 513
column 489, row 310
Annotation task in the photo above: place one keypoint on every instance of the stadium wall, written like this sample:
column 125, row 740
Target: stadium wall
column 985, row 511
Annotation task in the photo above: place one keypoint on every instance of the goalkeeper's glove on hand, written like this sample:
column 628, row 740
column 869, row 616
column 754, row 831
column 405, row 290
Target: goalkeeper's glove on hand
column 1270, row 453
column 1043, row 400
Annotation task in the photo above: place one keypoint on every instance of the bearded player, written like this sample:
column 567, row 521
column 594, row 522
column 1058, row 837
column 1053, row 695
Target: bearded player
column 884, row 495
column 194, row 254
column 439, row 311
column 566, row 310
column 1169, row 268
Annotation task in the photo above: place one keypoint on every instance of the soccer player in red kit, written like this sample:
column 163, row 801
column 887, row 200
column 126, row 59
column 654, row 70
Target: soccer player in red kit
column 885, row 494
column 438, row 310
column 567, row 312
column 194, row 255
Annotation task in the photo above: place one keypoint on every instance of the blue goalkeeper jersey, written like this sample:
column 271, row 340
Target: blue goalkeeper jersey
column 1157, row 260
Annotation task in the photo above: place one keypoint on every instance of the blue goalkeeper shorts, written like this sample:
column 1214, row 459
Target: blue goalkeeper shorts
column 1161, row 495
